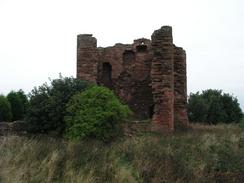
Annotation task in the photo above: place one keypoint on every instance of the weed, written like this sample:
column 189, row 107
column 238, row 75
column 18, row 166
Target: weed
column 203, row 154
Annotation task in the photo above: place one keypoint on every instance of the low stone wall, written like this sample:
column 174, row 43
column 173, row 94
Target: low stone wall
column 137, row 127
column 4, row 128
column 13, row 128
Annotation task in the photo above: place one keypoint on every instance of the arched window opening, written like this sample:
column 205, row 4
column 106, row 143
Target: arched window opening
column 141, row 48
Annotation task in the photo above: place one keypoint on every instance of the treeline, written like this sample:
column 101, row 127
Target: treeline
column 77, row 109
column 13, row 106
column 213, row 106
column 67, row 107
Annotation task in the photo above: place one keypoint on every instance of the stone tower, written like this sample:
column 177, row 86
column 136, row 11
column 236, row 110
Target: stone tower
column 148, row 75
column 87, row 57
column 162, row 77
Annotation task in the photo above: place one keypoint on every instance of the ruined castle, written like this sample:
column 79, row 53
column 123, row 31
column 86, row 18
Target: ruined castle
column 148, row 75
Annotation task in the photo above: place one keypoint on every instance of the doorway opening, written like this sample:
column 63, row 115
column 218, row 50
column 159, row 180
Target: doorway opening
column 151, row 111
column 107, row 74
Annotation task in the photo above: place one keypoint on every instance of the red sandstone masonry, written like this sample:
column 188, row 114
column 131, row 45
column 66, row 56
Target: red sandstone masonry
column 87, row 57
column 162, row 76
column 180, row 90
column 150, row 76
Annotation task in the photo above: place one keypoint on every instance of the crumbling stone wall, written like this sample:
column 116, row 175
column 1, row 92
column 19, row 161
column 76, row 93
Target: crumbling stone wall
column 148, row 75
column 87, row 57
column 162, row 75
column 180, row 88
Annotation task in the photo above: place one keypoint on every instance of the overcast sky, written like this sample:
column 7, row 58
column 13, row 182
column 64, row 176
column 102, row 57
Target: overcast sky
column 38, row 37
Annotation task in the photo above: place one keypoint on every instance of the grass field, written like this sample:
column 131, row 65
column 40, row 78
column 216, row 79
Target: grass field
column 203, row 154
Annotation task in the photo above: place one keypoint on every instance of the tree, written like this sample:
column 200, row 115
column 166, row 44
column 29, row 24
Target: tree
column 197, row 108
column 95, row 113
column 213, row 106
column 17, row 105
column 48, row 102
column 5, row 109
column 24, row 100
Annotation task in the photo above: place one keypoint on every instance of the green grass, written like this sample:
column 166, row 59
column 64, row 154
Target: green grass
column 203, row 154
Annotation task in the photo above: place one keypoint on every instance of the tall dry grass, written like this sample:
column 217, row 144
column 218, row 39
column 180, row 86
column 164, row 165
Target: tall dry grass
column 203, row 154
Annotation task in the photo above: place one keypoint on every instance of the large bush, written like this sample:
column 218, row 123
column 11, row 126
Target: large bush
column 18, row 102
column 48, row 102
column 95, row 113
column 5, row 109
column 242, row 122
column 213, row 106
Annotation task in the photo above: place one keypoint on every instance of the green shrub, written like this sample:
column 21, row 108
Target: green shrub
column 17, row 105
column 5, row 109
column 24, row 100
column 213, row 106
column 48, row 102
column 242, row 123
column 96, row 113
column 197, row 108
